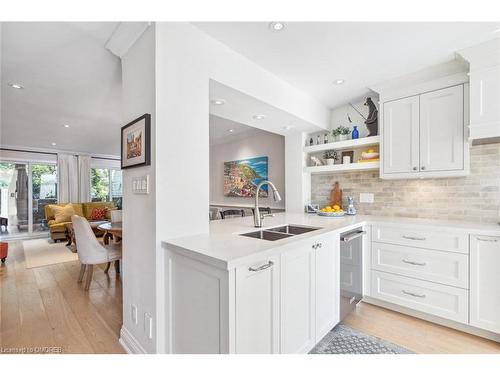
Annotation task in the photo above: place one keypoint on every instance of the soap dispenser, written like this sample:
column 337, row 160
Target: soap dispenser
column 351, row 210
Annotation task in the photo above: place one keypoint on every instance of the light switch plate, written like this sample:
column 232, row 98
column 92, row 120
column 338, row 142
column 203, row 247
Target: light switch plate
column 140, row 185
column 366, row 198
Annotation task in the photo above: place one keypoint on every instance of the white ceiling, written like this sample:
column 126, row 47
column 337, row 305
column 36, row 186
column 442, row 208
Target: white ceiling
column 224, row 130
column 311, row 55
column 241, row 108
column 68, row 78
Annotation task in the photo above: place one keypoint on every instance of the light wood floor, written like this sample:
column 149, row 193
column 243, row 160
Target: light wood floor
column 415, row 334
column 46, row 307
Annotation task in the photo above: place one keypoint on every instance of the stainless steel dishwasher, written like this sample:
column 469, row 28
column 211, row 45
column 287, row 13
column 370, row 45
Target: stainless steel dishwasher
column 351, row 270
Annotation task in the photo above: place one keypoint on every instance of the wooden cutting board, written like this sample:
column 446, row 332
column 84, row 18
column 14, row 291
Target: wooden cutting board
column 336, row 195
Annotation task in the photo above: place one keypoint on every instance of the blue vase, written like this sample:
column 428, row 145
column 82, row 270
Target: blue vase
column 355, row 133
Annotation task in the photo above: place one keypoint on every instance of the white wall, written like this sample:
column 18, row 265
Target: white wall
column 186, row 59
column 139, row 211
column 264, row 144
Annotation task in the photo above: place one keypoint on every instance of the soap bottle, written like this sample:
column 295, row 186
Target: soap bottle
column 355, row 132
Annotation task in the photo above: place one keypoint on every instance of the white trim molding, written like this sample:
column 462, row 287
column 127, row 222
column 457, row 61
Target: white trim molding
column 130, row 343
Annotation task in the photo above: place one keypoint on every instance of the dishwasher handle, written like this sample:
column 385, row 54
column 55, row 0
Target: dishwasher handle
column 353, row 236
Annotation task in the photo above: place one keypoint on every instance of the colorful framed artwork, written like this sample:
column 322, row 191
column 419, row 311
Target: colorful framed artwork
column 241, row 177
column 136, row 142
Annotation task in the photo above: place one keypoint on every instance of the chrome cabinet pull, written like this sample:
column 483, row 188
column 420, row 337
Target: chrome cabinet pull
column 414, row 238
column 353, row 236
column 415, row 168
column 263, row 267
column 423, row 168
column 414, row 294
column 316, row 245
column 414, row 263
column 487, row 239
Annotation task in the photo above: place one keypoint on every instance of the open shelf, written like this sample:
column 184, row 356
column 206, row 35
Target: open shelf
column 343, row 167
column 351, row 143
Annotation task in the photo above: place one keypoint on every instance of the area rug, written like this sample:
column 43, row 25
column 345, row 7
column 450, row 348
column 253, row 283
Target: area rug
column 43, row 252
column 345, row 340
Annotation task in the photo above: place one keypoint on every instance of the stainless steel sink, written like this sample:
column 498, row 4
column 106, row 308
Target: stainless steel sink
column 267, row 235
column 293, row 229
column 279, row 233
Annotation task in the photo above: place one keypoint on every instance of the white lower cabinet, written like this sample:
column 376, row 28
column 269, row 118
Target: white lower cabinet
column 432, row 298
column 257, row 307
column 485, row 282
column 309, row 292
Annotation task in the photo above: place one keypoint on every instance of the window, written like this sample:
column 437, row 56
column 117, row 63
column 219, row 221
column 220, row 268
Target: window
column 106, row 185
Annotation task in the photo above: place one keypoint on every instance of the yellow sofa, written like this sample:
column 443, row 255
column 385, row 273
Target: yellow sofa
column 58, row 230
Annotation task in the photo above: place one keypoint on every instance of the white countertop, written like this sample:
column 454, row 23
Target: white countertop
column 225, row 248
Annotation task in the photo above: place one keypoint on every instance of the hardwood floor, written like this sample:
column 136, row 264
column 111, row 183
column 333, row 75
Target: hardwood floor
column 415, row 334
column 46, row 307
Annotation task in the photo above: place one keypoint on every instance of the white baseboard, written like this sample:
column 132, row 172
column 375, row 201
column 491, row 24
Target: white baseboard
column 129, row 342
column 434, row 319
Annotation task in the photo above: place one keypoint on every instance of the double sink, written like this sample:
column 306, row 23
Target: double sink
column 279, row 233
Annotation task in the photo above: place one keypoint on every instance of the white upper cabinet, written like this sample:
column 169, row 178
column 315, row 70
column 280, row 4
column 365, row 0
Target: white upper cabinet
column 442, row 130
column 485, row 283
column 424, row 135
column 400, row 140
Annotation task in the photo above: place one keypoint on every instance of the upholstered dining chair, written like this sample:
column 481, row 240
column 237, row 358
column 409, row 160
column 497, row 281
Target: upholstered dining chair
column 226, row 214
column 90, row 251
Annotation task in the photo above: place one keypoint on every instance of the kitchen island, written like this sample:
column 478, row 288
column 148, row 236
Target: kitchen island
column 228, row 293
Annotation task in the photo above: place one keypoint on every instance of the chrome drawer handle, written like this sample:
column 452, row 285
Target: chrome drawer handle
column 414, row 238
column 486, row 239
column 414, row 294
column 414, row 263
column 263, row 267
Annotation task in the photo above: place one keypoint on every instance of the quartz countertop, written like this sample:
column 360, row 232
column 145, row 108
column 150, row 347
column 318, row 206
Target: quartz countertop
column 223, row 246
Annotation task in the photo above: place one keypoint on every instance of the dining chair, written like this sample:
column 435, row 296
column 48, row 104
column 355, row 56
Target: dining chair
column 116, row 216
column 213, row 213
column 263, row 210
column 230, row 213
column 91, row 252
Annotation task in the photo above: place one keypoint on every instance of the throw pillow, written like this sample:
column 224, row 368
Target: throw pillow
column 99, row 214
column 62, row 214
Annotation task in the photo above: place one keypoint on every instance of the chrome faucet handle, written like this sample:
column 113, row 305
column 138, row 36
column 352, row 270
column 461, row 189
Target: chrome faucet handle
column 266, row 215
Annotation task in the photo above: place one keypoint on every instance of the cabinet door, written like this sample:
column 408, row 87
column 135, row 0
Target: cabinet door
column 401, row 135
column 327, row 291
column 257, row 307
column 485, row 283
column 484, row 97
column 442, row 130
column 297, row 298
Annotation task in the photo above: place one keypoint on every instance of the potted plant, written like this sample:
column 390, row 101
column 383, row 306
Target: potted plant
column 344, row 133
column 336, row 134
column 330, row 156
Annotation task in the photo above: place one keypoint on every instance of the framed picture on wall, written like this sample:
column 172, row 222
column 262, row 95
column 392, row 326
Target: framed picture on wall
column 241, row 177
column 136, row 142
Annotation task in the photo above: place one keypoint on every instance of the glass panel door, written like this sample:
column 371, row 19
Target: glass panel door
column 99, row 189
column 14, row 198
column 116, row 187
column 44, row 192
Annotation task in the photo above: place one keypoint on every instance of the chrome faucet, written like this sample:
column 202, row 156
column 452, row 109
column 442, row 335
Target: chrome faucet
column 257, row 217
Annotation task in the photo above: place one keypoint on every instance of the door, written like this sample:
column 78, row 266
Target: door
column 442, row 130
column 257, row 307
column 327, row 294
column 485, row 283
column 297, row 298
column 401, row 135
column 14, row 198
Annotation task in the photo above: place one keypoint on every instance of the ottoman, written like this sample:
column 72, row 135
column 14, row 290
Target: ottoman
column 4, row 251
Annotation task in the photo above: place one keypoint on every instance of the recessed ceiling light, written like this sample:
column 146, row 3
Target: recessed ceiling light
column 231, row 130
column 259, row 117
column 16, row 86
column 287, row 127
column 339, row 81
column 66, row 125
column 276, row 26
column 54, row 144
column 218, row 101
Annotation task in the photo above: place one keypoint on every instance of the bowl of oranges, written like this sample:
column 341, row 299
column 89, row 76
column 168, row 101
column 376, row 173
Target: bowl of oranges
column 332, row 211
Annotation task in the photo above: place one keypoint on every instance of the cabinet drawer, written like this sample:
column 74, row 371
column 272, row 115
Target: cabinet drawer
column 436, row 299
column 420, row 237
column 429, row 265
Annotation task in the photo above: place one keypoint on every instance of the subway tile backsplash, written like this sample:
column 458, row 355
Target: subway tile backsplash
column 472, row 198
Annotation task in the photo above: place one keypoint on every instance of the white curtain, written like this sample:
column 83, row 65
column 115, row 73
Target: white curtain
column 84, row 182
column 67, row 169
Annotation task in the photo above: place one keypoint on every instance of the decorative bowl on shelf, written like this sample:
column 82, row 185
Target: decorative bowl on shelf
column 332, row 214
column 369, row 155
